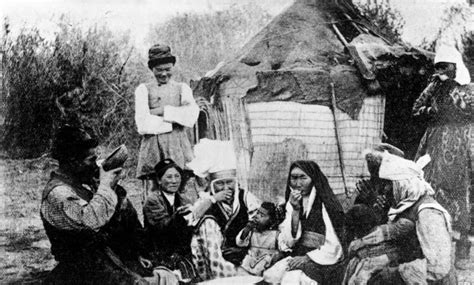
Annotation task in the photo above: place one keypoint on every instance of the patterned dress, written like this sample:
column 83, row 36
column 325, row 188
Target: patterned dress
column 213, row 245
column 448, row 142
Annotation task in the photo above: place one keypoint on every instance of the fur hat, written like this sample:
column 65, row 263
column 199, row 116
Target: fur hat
column 72, row 142
column 160, row 54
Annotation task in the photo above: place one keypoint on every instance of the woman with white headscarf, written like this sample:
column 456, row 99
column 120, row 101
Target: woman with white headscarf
column 447, row 104
column 426, row 252
column 228, row 209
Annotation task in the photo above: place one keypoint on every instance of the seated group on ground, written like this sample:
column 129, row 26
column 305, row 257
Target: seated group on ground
column 396, row 233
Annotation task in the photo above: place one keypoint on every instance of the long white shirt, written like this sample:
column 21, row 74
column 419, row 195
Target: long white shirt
column 148, row 124
column 329, row 253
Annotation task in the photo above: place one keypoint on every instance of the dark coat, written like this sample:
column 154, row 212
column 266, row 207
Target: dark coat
column 169, row 234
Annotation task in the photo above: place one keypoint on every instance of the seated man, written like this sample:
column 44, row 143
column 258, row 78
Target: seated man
column 373, row 192
column 373, row 246
column 84, row 218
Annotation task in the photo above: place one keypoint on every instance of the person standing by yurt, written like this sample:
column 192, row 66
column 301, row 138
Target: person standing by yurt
column 447, row 104
column 163, row 109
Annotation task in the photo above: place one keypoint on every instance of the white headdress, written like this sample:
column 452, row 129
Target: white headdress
column 213, row 157
column 452, row 55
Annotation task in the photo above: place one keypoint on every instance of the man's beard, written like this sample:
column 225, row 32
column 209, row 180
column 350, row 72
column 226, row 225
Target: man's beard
column 89, row 175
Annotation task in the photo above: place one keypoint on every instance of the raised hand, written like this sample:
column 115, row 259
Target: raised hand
column 295, row 199
column 111, row 177
column 184, row 210
column 224, row 195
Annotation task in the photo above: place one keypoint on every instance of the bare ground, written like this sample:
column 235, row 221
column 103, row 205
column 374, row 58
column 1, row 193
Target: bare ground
column 24, row 247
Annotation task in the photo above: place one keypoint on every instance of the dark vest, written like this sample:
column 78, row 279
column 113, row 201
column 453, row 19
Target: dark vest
column 69, row 244
column 230, row 229
column 314, row 224
column 85, row 256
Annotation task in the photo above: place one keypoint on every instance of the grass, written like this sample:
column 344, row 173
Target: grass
column 24, row 247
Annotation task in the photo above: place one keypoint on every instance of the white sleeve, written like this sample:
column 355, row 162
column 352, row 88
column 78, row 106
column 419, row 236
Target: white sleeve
column 286, row 240
column 331, row 251
column 186, row 114
column 148, row 124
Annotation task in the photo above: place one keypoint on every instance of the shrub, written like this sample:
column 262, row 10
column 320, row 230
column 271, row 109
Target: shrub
column 81, row 77
column 453, row 29
column 201, row 41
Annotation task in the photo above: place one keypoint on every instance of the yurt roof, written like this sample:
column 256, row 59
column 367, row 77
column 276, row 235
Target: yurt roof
column 301, row 53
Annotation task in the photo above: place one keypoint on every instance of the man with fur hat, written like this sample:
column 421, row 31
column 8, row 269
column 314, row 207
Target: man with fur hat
column 89, row 221
column 78, row 207
column 447, row 104
column 163, row 109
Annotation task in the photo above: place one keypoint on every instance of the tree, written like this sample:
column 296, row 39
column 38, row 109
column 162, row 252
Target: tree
column 385, row 18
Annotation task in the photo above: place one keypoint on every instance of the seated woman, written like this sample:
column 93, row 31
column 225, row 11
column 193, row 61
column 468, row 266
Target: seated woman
column 426, row 252
column 164, row 217
column 312, row 230
column 215, row 252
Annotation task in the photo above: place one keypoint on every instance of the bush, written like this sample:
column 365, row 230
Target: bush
column 453, row 29
column 201, row 41
column 29, row 114
column 80, row 78
column 88, row 77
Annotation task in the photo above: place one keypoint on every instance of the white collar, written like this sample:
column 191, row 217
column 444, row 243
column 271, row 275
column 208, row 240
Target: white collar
column 170, row 197
column 311, row 198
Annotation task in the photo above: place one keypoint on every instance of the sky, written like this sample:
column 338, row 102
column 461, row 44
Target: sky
column 119, row 15
column 422, row 17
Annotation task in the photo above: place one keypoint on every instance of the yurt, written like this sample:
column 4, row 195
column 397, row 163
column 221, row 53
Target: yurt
column 312, row 85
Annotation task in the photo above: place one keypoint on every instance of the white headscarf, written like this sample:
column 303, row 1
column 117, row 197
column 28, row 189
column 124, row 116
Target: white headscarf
column 213, row 157
column 408, row 182
column 452, row 55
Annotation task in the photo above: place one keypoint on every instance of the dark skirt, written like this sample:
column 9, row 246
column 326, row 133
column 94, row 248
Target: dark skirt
column 153, row 148
column 325, row 274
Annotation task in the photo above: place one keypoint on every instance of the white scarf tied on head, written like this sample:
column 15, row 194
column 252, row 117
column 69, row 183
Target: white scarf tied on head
column 450, row 54
column 408, row 182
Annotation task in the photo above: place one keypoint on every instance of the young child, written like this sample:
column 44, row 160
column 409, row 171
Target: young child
column 261, row 237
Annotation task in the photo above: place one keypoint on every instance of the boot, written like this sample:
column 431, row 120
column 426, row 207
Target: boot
column 463, row 252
